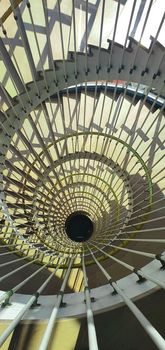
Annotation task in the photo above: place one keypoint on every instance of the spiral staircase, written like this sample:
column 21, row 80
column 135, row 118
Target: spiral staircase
column 82, row 175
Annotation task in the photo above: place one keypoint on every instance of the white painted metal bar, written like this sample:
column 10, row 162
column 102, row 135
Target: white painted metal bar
column 10, row 66
column 21, row 284
column 13, row 245
column 148, row 255
column 141, row 222
column 37, row 42
column 25, row 308
column 86, row 37
column 17, row 68
column 149, row 240
column 13, row 261
column 142, row 201
column 47, row 335
column 114, row 34
column 157, row 229
column 16, row 270
column 137, row 271
column 92, row 337
column 147, row 326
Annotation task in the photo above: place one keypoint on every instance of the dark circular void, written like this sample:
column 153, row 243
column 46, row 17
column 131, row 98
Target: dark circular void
column 79, row 227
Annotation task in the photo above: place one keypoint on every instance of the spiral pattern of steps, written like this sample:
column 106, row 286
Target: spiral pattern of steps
column 81, row 160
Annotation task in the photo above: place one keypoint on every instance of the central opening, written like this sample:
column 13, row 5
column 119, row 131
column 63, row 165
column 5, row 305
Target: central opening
column 79, row 227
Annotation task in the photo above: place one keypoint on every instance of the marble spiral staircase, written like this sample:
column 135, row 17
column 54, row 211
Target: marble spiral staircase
column 81, row 164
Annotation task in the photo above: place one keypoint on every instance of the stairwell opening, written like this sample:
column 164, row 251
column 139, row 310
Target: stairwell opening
column 79, row 227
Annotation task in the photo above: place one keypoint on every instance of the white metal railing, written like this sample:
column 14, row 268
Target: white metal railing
column 68, row 145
